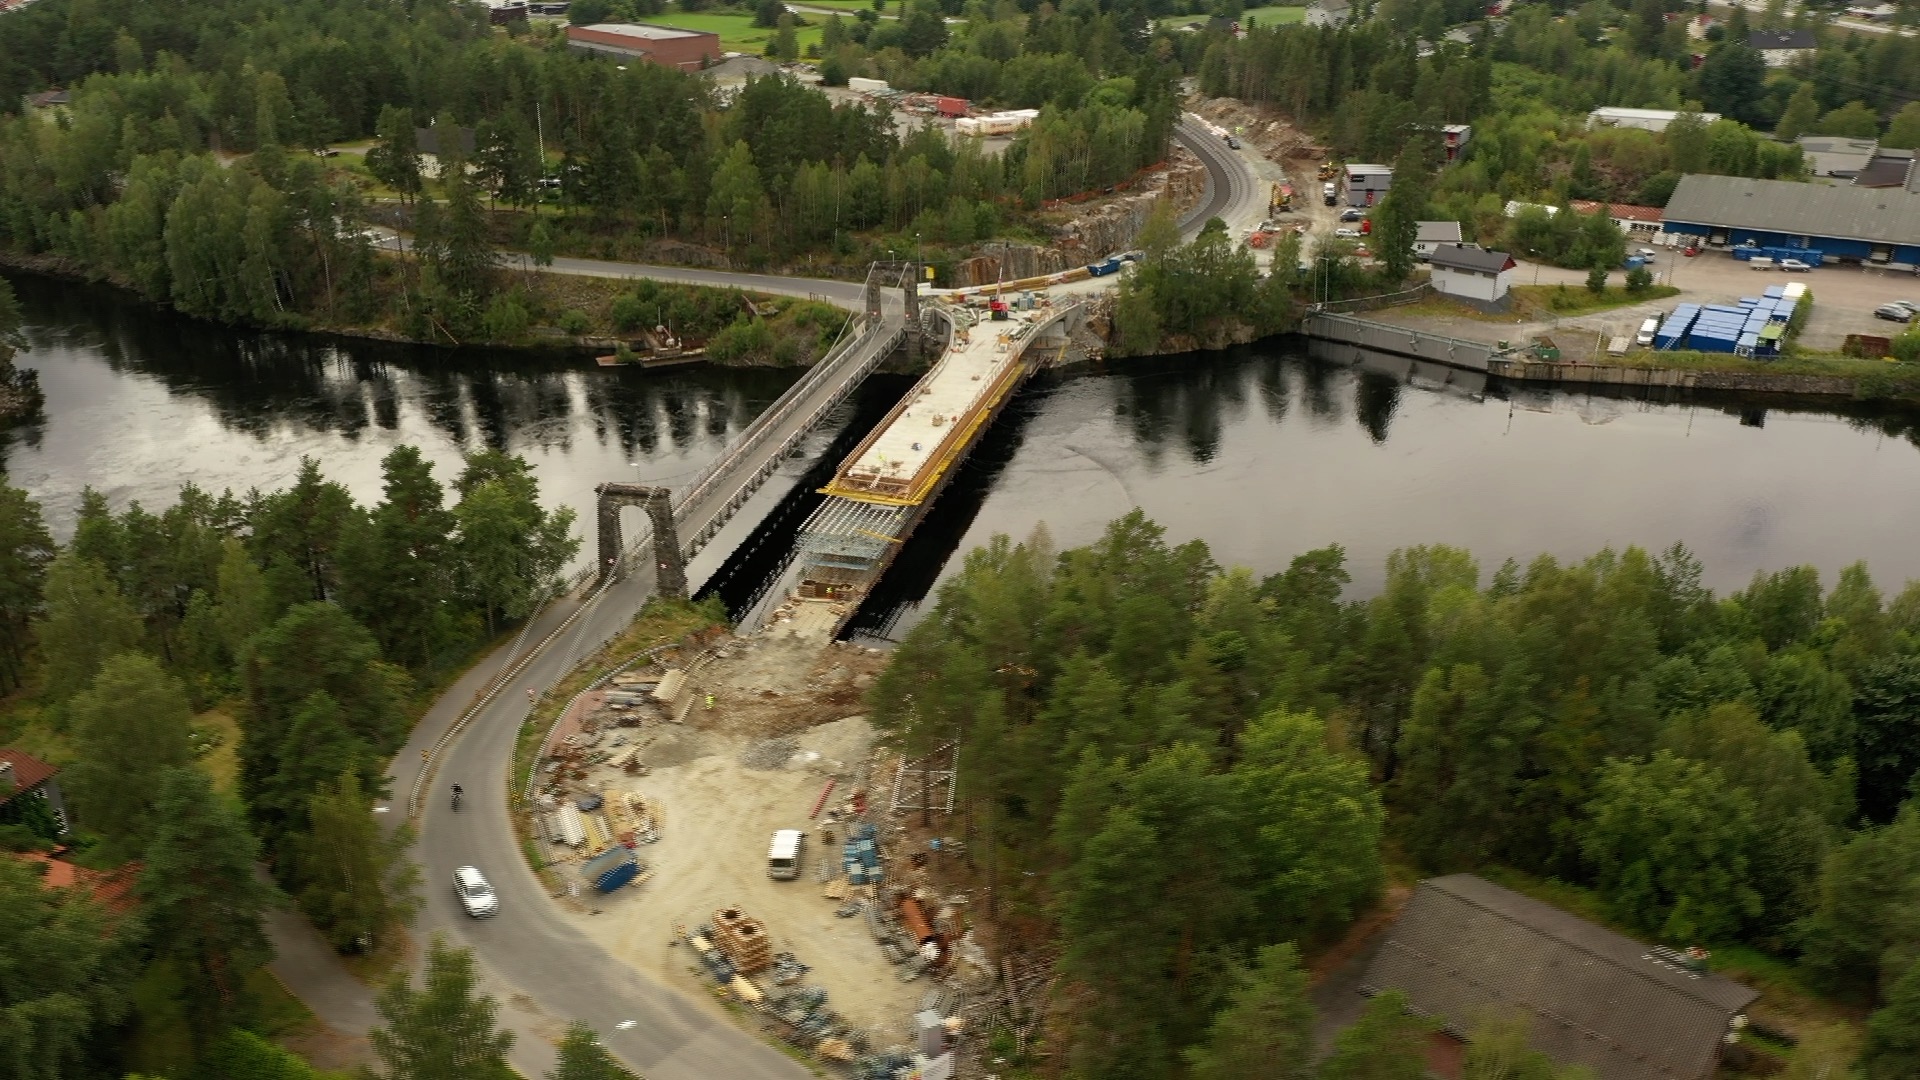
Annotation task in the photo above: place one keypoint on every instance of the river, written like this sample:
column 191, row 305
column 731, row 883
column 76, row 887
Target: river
column 1260, row 452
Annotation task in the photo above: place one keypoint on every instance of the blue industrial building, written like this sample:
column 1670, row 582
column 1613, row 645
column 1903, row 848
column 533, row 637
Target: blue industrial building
column 1869, row 226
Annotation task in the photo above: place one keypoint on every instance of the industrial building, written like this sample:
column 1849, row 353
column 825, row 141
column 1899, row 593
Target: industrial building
column 1871, row 226
column 668, row 46
column 1466, row 949
column 1367, row 184
column 1644, row 119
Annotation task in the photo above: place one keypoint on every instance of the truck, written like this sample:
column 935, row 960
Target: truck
column 1330, row 193
column 1109, row 265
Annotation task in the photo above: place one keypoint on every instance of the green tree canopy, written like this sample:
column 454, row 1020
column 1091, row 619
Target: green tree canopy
column 86, row 621
column 203, row 898
column 129, row 728
column 442, row 1030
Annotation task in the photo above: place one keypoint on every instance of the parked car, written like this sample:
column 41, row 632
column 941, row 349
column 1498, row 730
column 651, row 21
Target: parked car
column 1352, row 213
column 1233, row 143
column 1347, row 234
column 1647, row 330
column 474, row 893
column 1792, row 265
column 1894, row 312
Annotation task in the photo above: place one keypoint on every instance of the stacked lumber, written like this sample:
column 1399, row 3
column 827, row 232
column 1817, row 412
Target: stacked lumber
column 743, row 940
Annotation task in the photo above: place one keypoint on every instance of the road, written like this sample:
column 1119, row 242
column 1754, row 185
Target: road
column 1231, row 187
column 529, row 952
column 543, row 971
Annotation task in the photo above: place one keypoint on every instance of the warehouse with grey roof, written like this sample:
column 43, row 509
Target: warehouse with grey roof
column 1467, row 950
column 1871, row 226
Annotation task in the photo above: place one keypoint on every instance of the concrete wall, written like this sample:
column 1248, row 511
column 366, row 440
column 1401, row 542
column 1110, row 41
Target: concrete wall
column 1601, row 375
column 1384, row 337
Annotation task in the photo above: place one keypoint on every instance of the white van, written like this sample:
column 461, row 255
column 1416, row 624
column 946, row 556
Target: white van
column 1647, row 330
column 783, row 856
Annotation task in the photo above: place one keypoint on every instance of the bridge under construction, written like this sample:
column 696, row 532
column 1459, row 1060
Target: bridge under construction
column 888, row 483
column 987, row 349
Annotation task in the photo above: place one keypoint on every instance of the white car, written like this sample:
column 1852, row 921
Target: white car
column 1347, row 234
column 1791, row 265
column 474, row 893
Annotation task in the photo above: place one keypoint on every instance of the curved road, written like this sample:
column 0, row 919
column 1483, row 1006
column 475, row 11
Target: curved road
column 1232, row 189
column 545, row 972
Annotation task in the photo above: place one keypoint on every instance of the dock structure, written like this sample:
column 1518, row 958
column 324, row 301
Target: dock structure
column 886, row 485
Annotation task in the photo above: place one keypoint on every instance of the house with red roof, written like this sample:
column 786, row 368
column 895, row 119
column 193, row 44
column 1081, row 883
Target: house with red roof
column 30, row 794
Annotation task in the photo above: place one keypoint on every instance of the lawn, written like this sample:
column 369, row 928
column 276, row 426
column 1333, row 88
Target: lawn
column 850, row 5
column 737, row 32
column 1263, row 16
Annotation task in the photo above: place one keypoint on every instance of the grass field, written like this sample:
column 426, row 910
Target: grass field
column 892, row 7
column 1264, row 16
column 737, row 32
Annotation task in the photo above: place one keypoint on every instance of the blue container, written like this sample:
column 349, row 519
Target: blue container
column 617, row 877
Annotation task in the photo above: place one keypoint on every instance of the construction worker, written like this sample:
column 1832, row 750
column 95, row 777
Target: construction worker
column 709, row 702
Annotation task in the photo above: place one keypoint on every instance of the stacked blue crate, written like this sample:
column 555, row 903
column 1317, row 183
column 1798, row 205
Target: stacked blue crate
column 1675, row 327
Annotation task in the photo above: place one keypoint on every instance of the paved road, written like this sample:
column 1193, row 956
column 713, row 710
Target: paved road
column 846, row 294
column 530, row 952
column 544, row 972
column 1231, row 185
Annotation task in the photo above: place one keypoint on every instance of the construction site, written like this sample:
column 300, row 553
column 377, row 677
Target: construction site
column 655, row 801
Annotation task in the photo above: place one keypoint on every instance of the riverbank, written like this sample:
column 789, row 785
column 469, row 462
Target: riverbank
column 548, row 312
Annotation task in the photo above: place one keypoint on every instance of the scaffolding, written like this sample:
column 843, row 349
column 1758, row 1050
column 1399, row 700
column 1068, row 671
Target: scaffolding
column 932, row 774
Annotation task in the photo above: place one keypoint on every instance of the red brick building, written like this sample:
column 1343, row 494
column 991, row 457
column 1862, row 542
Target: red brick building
column 688, row 50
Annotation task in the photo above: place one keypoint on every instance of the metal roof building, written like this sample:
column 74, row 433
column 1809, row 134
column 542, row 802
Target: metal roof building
column 1880, row 226
column 1465, row 947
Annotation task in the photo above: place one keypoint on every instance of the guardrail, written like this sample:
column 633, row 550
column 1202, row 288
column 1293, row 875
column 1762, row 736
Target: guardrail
column 466, row 716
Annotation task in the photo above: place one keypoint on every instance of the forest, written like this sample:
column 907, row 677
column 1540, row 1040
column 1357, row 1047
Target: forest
column 222, row 682
column 183, row 166
column 1191, row 776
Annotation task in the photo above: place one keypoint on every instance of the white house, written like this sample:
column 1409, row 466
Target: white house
column 1329, row 13
column 1874, row 12
column 1782, row 47
column 1472, row 273
column 1431, row 234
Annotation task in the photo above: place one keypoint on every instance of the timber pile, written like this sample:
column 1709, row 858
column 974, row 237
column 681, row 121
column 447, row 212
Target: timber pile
column 743, row 940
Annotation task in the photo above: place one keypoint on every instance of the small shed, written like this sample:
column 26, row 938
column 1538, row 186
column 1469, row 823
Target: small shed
column 1466, row 947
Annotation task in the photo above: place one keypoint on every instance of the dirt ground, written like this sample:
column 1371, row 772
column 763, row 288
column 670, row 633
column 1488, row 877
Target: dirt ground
column 792, row 705
column 1277, row 152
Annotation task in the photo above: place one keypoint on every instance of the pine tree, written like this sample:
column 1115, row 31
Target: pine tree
column 25, row 550
column 1802, row 113
column 395, row 159
column 583, row 1058
column 129, row 727
column 357, row 883
column 202, row 897
column 401, row 560
column 1386, row 1043
column 443, row 1030
column 87, row 621
column 1266, row 1030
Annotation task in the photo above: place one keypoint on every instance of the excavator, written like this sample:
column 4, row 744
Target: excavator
column 1281, row 202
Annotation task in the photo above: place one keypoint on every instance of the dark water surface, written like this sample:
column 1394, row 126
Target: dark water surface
column 1262, row 453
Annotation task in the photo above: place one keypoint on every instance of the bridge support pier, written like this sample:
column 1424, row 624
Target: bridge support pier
column 658, row 504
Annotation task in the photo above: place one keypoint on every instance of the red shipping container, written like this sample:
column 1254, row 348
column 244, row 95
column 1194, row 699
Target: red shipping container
column 952, row 106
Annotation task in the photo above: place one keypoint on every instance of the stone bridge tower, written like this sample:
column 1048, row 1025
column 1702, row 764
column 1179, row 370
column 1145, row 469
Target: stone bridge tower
column 658, row 504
